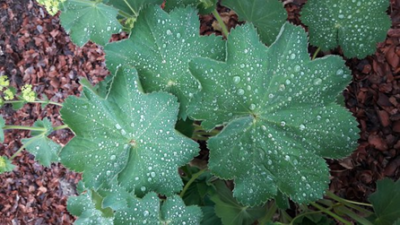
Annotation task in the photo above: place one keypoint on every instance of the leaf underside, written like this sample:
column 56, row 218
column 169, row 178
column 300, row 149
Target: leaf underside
column 267, row 16
column 86, row 20
column 126, row 134
column 280, row 114
column 160, row 48
column 355, row 25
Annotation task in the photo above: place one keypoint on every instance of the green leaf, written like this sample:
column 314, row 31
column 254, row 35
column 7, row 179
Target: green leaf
column 86, row 20
column 386, row 202
column 354, row 25
column 2, row 124
column 135, row 5
column 43, row 148
column 160, row 48
column 196, row 193
column 281, row 115
column 148, row 211
column 209, row 216
column 84, row 207
column 268, row 16
column 230, row 211
column 204, row 6
column 5, row 165
column 129, row 134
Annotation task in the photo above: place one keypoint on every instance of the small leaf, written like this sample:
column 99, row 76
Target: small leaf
column 43, row 148
column 280, row 114
column 86, row 20
column 268, row 16
column 204, row 6
column 2, row 124
column 84, row 207
column 230, row 211
column 126, row 134
column 354, row 25
column 160, row 48
column 148, row 211
column 5, row 165
column 386, row 202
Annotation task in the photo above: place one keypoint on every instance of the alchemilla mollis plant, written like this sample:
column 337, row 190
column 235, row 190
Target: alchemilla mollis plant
column 267, row 110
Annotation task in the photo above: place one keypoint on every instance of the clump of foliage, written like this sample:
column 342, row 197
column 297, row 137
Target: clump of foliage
column 267, row 111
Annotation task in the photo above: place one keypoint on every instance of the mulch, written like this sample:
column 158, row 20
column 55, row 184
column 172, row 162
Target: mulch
column 35, row 49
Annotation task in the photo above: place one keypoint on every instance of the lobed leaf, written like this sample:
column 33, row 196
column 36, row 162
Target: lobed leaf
column 5, row 165
column 386, row 202
column 355, row 25
column 148, row 211
column 204, row 6
column 280, row 114
column 267, row 16
column 160, row 48
column 127, row 134
column 133, row 6
column 87, row 20
column 43, row 148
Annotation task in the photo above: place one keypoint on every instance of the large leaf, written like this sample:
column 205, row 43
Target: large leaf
column 160, row 48
column 268, row 16
column 355, row 25
column 86, row 20
column 386, row 202
column 132, row 6
column 43, row 148
column 281, row 115
column 148, row 211
column 87, row 207
column 126, row 131
column 230, row 211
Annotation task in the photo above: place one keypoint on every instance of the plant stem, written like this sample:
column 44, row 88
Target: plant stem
column 22, row 147
column 316, row 53
column 15, row 127
column 130, row 7
column 350, row 204
column 326, row 211
column 65, row 126
column 36, row 101
column 270, row 213
column 221, row 23
column 192, row 179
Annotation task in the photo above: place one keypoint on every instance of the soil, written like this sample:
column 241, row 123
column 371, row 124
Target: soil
column 34, row 49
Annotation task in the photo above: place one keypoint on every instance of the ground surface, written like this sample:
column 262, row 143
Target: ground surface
column 35, row 49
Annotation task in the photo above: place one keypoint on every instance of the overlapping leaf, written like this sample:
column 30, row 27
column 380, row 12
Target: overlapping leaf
column 133, row 6
column 86, row 20
column 204, row 6
column 281, row 115
column 148, row 211
column 160, row 48
column 43, row 148
column 386, row 202
column 355, row 25
column 268, row 16
column 129, row 134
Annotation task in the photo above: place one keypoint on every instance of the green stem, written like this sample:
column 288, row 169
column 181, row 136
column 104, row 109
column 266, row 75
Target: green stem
column 350, row 204
column 348, row 212
column 316, row 53
column 36, row 101
column 15, row 127
column 65, row 126
column 270, row 213
column 221, row 23
column 326, row 211
column 192, row 179
column 130, row 7
column 23, row 146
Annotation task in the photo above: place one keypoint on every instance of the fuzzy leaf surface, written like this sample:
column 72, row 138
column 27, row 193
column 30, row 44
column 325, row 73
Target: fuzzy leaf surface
column 386, row 202
column 126, row 134
column 280, row 114
column 268, row 16
column 160, row 48
column 148, row 211
column 43, row 148
column 355, row 25
column 86, row 20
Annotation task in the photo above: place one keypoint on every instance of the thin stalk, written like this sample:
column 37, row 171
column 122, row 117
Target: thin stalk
column 350, row 204
column 36, row 101
column 316, row 53
column 348, row 212
column 22, row 147
column 270, row 213
column 326, row 211
column 15, row 127
column 194, row 177
column 130, row 7
column 304, row 214
column 65, row 126
column 221, row 23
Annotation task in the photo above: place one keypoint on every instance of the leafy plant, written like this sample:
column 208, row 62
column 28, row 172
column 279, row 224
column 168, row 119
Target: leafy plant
column 269, row 115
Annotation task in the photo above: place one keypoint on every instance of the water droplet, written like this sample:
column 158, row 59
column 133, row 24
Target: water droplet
column 169, row 32
column 242, row 66
column 153, row 174
column 143, row 188
column 108, row 173
column 282, row 87
column 297, row 68
column 113, row 157
column 339, row 72
column 302, row 127
column 263, row 127
column 318, row 81
column 252, row 107
column 287, row 82
column 283, row 123
column 287, row 158
column 271, row 96
column 146, row 213
column 123, row 132
column 240, row 92
column 118, row 126
column 292, row 56
column 236, row 79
